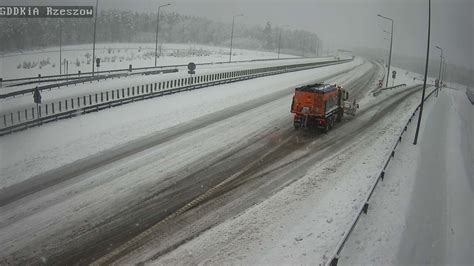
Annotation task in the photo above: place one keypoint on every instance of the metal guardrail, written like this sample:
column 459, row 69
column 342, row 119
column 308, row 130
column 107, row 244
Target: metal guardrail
column 364, row 208
column 395, row 87
column 122, row 96
column 379, row 90
column 78, row 80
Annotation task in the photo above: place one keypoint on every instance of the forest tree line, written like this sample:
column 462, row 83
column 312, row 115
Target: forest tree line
column 114, row 26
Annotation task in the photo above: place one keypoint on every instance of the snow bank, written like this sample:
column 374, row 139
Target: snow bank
column 397, row 227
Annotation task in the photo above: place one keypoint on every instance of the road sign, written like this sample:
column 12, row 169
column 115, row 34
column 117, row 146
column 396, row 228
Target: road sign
column 97, row 61
column 37, row 96
column 437, row 83
column 380, row 83
column 191, row 66
column 191, row 72
column 394, row 74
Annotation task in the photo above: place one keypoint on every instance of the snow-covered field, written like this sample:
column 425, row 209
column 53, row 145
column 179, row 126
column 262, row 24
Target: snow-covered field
column 118, row 56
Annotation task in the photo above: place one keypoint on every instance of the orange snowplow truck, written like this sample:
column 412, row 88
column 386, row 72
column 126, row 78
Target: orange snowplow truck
column 320, row 106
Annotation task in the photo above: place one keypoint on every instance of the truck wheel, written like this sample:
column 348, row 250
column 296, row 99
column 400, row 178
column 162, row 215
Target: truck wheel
column 327, row 128
column 331, row 122
column 339, row 116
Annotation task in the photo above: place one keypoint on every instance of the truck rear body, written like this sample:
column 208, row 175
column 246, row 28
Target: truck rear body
column 318, row 105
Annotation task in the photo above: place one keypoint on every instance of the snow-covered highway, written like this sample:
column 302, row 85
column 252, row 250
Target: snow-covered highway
column 166, row 152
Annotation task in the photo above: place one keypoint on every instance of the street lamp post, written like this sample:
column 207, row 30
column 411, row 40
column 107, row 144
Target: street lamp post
column 391, row 43
column 232, row 35
column 157, row 30
column 279, row 40
column 60, row 47
column 426, row 75
column 95, row 27
column 443, row 72
column 439, row 74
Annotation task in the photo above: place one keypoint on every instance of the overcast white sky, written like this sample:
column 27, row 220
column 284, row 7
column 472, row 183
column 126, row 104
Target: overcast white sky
column 340, row 23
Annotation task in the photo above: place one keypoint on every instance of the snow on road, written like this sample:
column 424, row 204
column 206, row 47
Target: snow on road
column 53, row 217
column 37, row 150
column 424, row 210
column 302, row 223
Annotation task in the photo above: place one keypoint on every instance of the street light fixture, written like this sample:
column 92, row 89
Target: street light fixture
column 95, row 27
column 232, row 35
column 279, row 39
column 391, row 43
column 439, row 75
column 426, row 75
column 157, row 29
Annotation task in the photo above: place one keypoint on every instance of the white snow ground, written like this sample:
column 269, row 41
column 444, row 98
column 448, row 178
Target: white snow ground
column 137, row 54
column 423, row 213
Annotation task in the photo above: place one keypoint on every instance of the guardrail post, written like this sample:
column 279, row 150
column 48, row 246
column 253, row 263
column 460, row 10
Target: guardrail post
column 133, row 91
column 60, row 106
column 65, row 105
column 365, row 208
column 5, row 120
column 84, row 100
column 19, row 119
column 101, row 97
column 26, row 114
column 46, row 109
column 52, row 108
column 96, row 98
column 123, row 92
column 33, row 112
column 39, row 111
column 107, row 96
column 72, row 103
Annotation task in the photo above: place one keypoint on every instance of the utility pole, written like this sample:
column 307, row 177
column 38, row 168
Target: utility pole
column 157, row 30
column 390, row 55
column 279, row 40
column 95, row 29
column 60, row 47
column 439, row 74
column 232, row 35
column 426, row 75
